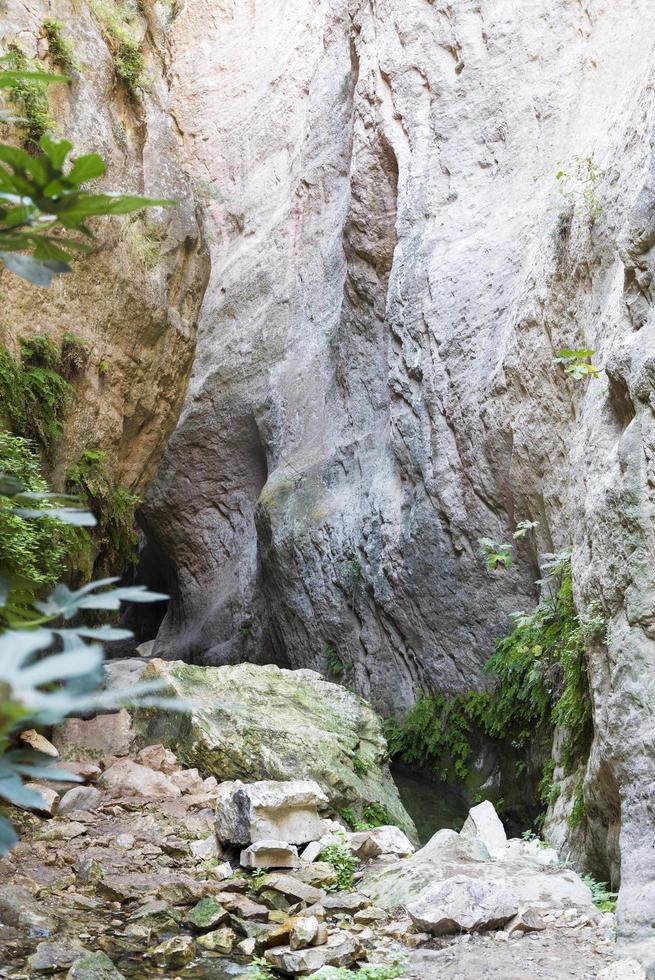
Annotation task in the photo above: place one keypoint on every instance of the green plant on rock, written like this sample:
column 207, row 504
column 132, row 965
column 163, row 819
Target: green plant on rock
column 121, row 36
column 495, row 555
column 343, row 862
column 74, row 355
column 103, row 368
column 32, row 551
column 602, row 898
column 60, row 49
column 578, row 181
column 335, row 664
column 33, row 393
column 437, row 732
column 578, row 809
column 30, row 97
column 258, row 969
column 541, row 682
column 44, row 200
column 577, row 363
column 113, row 506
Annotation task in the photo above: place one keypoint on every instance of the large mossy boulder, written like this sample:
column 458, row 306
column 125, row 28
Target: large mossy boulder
column 253, row 722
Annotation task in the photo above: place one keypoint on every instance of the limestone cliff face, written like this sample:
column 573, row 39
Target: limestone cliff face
column 136, row 301
column 394, row 270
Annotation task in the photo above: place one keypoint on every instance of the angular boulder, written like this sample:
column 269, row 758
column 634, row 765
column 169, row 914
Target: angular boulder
column 79, row 738
column 270, row 853
column 380, row 840
column 484, row 824
column 463, row 904
column 253, row 722
column 449, row 855
column 127, row 778
column 79, row 798
column 341, row 950
column 285, row 811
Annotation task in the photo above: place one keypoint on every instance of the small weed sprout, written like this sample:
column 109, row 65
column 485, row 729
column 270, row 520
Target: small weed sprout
column 577, row 363
column 336, row 666
column 495, row 555
column 578, row 181
column 523, row 528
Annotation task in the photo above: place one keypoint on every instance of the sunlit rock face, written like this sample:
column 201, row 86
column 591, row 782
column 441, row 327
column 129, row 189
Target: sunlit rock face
column 395, row 267
column 135, row 301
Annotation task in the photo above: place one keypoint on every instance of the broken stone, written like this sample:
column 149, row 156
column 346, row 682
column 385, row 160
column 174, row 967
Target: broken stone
column 526, row 920
column 64, row 830
column 87, row 770
column 321, row 874
column 89, row 872
column 39, row 743
column 340, row 950
column 293, row 888
column 380, row 840
column 462, row 904
column 247, row 946
column 269, row 853
column 372, row 914
column 311, row 852
column 79, row 798
column 19, row 908
column 174, row 952
column 188, row 780
column 345, row 902
column 49, row 796
column 285, row 811
column 207, row 914
column 484, row 824
column 159, row 758
column 243, row 907
column 218, row 941
column 128, row 778
column 205, row 848
column 156, row 916
column 94, row 966
column 222, row 872
column 96, row 737
column 54, row 957
column 304, row 932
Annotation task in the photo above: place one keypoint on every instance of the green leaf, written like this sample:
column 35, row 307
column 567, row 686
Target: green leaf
column 87, row 167
column 8, row 836
column 10, row 77
column 55, row 150
column 39, row 273
column 102, row 204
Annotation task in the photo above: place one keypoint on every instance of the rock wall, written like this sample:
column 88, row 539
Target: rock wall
column 135, row 302
column 394, row 268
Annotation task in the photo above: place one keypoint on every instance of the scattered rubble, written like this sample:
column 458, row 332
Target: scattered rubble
column 146, row 868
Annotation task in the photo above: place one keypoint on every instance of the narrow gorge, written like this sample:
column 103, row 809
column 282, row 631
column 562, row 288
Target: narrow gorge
column 368, row 392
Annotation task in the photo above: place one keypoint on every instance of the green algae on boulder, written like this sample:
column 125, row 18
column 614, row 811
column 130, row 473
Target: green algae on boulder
column 253, row 722
column 94, row 966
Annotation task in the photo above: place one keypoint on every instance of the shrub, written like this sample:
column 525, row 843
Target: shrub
column 541, row 682
column 31, row 99
column 129, row 63
column 343, row 862
column 60, row 48
column 34, row 394
column 113, row 506
column 32, row 552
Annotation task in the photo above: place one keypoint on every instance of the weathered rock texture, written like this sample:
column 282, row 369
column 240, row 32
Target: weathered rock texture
column 260, row 723
column 394, row 270
column 136, row 301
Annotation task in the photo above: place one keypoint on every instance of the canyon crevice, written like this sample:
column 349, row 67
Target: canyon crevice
column 394, row 269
